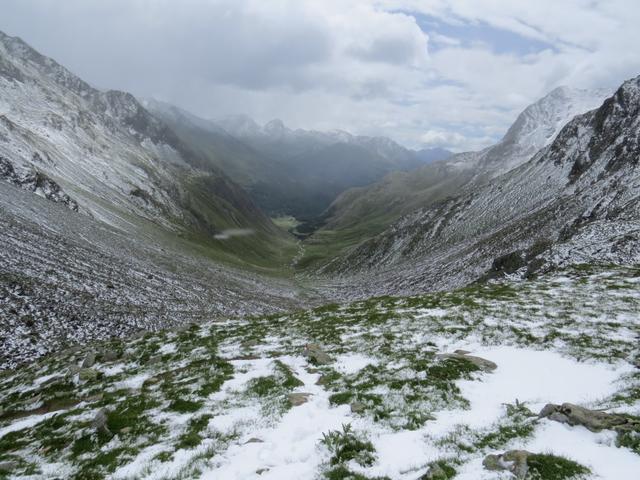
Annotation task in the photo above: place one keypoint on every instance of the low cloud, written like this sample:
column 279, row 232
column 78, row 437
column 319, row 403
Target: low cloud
column 360, row 65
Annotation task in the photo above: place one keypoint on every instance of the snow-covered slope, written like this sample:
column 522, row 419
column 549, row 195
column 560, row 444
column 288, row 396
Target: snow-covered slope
column 381, row 389
column 537, row 126
column 371, row 208
column 107, row 223
column 103, row 149
column 581, row 193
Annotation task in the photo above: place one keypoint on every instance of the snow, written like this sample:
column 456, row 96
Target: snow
column 594, row 450
column 25, row 423
column 535, row 377
column 353, row 362
column 289, row 450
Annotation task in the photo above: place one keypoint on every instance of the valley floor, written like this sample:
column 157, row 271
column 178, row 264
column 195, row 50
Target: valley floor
column 369, row 390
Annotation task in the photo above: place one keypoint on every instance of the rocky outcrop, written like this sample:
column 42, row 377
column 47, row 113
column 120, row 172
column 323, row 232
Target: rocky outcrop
column 316, row 354
column 594, row 420
column 482, row 363
column 514, row 461
column 36, row 182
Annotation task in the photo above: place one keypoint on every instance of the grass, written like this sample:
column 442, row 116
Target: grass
column 345, row 446
column 403, row 388
column 552, row 467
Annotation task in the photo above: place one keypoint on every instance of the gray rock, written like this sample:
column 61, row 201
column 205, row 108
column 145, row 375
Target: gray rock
column 435, row 472
column 357, row 407
column 89, row 360
column 8, row 467
column 73, row 369
column 254, row 440
column 297, row 399
column 316, row 354
column 99, row 422
column 58, row 379
column 87, row 374
column 482, row 363
column 594, row 420
column 514, row 461
column 109, row 356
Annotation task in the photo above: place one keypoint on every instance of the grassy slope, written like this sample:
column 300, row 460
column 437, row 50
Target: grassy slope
column 160, row 391
column 361, row 213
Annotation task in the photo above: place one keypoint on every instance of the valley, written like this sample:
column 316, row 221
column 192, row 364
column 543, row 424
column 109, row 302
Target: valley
column 186, row 297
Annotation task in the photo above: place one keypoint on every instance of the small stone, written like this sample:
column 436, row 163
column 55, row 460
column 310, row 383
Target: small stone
column 7, row 467
column 357, row 407
column 316, row 354
column 126, row 430
column 435, row 472
column 154, row 360
column 87, row 374
column 109, row 356
column 514, row 461
column 99, row 422
column 52, row 381
column 297, row 399
column 254, row 440
column 89, row 360
column 260, row 471
column 594, row 420
column 482, row 363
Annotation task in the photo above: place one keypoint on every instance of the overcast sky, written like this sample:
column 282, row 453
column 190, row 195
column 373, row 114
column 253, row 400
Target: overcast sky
column 452, row 73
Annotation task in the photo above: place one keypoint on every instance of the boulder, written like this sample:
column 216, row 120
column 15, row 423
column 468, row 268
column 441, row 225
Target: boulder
column 58, row 379
column 109, row 356
column 316, row 354
column 8, row 467
column 87, row 375
column 89, row 360
column 482, row 363
column 99, row 422
column 296, row 399
column 435, row 472
column 514, row 461
column 594, row 420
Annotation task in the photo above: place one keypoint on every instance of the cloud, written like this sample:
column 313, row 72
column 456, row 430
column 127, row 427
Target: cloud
column 387, row 67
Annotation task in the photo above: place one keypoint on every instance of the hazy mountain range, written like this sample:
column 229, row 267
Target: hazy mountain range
column 193, row 298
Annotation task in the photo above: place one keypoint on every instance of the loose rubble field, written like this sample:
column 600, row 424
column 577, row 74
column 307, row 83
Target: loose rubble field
column 440, row 386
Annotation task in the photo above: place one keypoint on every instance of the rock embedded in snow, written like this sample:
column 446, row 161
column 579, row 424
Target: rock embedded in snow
column 8, row 467
column 298, row 398
column 99, row 422
column 89, row 360
column 357, row 407
column 593, row 420
column 514, row 461
column 109, row 356
column 435, row 472
column 482, row 363
column 316, row 354
column 87, row 374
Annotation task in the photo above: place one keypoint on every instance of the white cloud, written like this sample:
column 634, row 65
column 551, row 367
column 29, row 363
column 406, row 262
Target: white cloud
column 359, row 65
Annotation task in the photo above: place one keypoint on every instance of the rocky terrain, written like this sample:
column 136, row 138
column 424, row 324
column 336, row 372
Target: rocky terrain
column 576, row 200
column 507, row 379
column 156, row 324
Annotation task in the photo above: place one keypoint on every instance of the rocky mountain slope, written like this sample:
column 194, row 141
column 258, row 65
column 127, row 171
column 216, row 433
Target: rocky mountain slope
column 109, row 222
column 576, row 200
column 103, row 154
column 317, row 165
column 509, row 379
column 361, row 212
